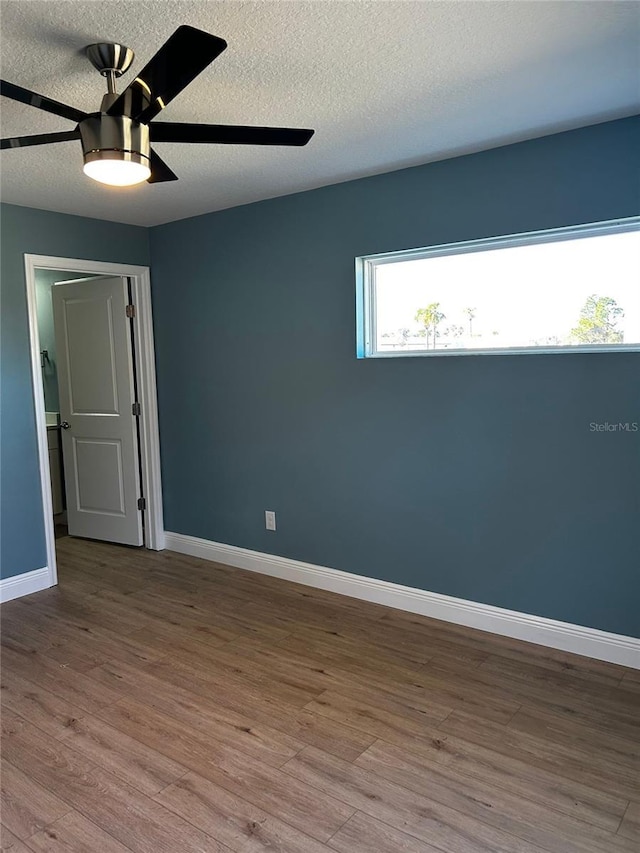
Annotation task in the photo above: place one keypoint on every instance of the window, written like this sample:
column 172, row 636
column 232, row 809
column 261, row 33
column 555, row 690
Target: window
column 567, row 290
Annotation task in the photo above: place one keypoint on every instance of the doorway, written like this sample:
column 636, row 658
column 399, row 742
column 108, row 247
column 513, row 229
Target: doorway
column 136, row 281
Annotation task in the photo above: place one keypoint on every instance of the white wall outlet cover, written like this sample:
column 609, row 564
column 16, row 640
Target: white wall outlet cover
column 269, row 519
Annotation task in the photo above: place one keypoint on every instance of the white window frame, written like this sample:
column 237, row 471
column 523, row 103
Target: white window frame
column 366, row 333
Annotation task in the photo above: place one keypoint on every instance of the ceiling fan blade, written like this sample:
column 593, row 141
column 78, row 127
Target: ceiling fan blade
column 228, row 134
column 181, row 58
column 39, row 139
column 26, row 96
column 159, row 170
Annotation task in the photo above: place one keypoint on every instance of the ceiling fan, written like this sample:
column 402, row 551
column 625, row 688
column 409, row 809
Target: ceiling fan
column 116, row 141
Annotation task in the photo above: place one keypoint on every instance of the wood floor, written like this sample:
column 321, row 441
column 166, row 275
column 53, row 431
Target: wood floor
column 162, row 704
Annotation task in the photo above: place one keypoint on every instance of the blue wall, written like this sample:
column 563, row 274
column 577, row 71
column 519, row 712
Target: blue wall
column 46, row 333
column 27, row 231
column 473, row 476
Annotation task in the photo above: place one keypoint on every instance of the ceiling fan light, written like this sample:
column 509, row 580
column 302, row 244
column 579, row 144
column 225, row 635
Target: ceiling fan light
column 117, row 168
column 115, row 149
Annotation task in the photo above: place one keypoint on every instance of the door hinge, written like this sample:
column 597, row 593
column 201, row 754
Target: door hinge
column 142, row 503
column 136, row 410
column 130, row 311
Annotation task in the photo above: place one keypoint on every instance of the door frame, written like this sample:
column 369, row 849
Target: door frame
column 146, row 378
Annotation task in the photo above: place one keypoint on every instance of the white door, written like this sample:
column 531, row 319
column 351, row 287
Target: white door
column 96, row 385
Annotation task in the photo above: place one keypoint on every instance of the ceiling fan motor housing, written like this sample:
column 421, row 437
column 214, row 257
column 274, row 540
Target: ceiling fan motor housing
column 106, row 137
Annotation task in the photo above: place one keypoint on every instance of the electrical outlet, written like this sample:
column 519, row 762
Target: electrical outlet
column 269, row 519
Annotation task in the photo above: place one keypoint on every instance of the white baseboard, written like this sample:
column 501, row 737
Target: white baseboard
column 590, row 642
column 24, row 584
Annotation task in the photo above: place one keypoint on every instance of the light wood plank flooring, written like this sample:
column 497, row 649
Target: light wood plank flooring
column 157, row 703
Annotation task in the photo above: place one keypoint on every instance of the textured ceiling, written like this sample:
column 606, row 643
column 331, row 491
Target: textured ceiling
column 385, row 85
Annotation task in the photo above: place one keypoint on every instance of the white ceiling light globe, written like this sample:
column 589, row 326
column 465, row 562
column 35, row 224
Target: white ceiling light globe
column 117, row 173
